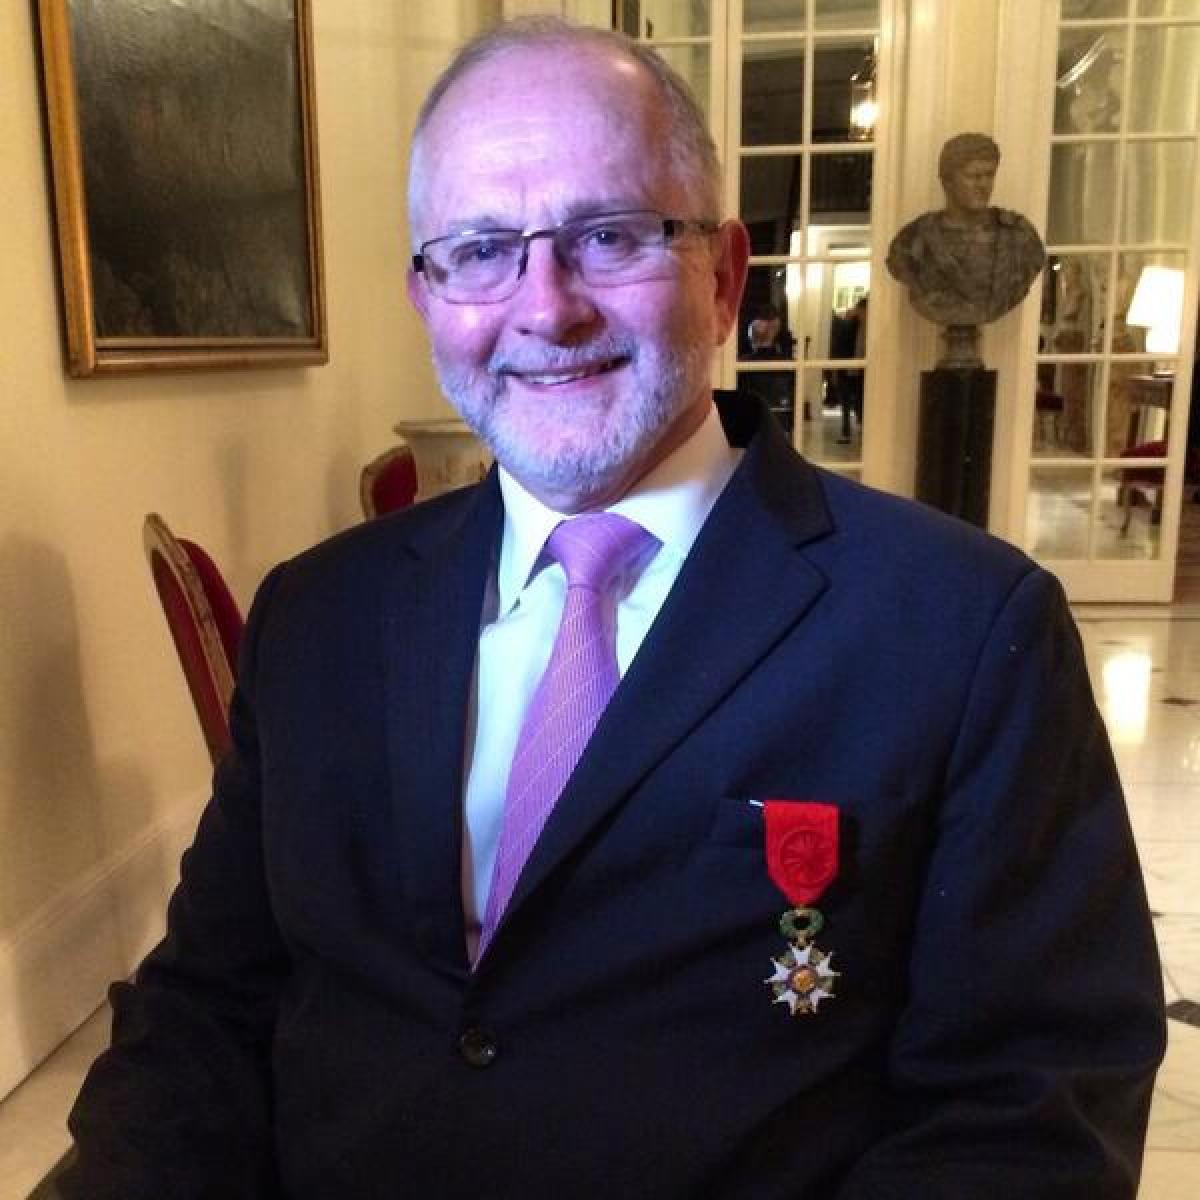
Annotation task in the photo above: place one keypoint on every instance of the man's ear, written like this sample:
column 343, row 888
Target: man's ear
column 732, row 256
column 418, row 293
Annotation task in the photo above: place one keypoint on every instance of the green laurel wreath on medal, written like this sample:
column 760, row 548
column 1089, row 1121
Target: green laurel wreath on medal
column 803, row 976
column 792, row 929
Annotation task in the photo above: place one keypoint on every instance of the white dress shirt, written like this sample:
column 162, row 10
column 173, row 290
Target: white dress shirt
column 521, row 613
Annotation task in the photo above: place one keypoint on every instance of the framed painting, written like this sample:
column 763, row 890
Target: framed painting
column 184, row 158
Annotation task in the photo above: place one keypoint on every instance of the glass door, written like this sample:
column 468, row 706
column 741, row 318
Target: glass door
column 800, row 131
column 793, row 93
column 1116, row 325
column 682, row 31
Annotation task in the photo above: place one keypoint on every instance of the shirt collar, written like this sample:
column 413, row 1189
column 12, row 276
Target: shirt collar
column 672, row 501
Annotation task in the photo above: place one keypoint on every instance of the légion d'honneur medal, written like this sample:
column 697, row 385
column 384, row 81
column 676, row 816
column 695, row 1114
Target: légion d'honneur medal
column 802, row 860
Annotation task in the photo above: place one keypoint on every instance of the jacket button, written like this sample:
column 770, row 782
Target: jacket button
column 478, row 1047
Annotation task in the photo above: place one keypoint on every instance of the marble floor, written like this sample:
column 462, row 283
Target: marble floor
column 1145, row 666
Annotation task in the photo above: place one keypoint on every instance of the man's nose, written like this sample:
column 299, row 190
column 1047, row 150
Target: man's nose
column 551, row 301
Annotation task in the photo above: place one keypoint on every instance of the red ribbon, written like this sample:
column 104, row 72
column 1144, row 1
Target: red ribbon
column 802, row 847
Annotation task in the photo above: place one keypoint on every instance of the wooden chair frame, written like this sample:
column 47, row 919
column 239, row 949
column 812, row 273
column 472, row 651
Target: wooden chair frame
column 172, row 567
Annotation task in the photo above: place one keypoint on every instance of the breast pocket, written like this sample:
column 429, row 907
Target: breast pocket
column 738, row 821
column 885, row 828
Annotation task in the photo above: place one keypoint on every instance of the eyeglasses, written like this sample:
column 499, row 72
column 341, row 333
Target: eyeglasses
column 484, row 266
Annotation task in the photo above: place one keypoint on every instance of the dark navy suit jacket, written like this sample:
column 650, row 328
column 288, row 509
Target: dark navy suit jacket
column 310, row 1028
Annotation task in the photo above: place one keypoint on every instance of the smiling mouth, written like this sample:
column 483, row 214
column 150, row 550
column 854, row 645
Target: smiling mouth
column 562, row 375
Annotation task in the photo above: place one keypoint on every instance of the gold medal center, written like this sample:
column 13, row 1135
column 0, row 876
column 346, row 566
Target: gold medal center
column 803, row 980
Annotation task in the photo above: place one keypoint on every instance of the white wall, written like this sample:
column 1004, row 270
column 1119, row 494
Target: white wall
column 102, row 768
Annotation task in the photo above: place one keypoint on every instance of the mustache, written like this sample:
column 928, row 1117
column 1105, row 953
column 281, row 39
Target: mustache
column 562, row 358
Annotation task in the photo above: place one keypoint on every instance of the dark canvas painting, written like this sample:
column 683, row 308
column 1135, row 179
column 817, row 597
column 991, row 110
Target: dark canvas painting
column 196, row 172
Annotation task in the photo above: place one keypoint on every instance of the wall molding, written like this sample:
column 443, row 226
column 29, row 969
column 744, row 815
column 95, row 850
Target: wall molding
column 56, row 967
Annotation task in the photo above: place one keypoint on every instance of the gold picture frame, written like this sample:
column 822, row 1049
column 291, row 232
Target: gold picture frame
column 183, row 151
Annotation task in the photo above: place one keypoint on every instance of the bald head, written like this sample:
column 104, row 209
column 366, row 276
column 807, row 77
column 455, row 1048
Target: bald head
column 652, row 92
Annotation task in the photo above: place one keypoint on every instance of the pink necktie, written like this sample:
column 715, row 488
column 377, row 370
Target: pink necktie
column 580, row 678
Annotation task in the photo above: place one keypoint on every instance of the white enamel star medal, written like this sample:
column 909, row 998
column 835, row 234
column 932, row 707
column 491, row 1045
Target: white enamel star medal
column 802, row 860
column 803, row 976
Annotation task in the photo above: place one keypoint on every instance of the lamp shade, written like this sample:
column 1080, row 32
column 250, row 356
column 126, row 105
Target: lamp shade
column 1157, row 306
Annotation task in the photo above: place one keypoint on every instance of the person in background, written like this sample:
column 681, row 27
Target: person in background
column 766, row 338
column 765, row 335
column 848, row 339
column 662, row 817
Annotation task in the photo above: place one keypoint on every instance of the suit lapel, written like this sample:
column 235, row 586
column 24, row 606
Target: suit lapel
column 431, row 639
column 744, row 586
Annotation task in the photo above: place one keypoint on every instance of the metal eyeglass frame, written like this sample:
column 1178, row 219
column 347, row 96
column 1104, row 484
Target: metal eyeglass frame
column 672, row 227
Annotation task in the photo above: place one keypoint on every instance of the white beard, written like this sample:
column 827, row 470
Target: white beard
column 576, row 447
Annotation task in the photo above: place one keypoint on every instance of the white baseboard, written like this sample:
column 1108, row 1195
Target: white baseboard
column 56, row 968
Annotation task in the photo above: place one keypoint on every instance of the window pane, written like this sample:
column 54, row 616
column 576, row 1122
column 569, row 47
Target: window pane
column 1158, row 191
column 1165, row 99
column 1130, row 513
column 829, row 241
column 841, row 189
column 1074, row 287
column 663, row 18
column 692, row 63
column 776, row 389
column 773, row 93
column 1074, row 9
column 1168, row 8
column 772, row 16
column 768, row 323
column 835, row 314
column 1089, row 81
column 1150, row 302
column 851, row 289
column 1083, row 184
column 1139, row 401
column 831, row 425
column 836, row 66
column 1057, row 518
column 846, row 14
column 1067, row 402
column 770, row 200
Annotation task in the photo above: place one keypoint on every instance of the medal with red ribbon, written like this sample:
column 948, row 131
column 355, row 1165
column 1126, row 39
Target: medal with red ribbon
column 802, row 860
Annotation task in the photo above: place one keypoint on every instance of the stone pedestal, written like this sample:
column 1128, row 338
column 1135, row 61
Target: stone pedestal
column 954, row 445
column 446, row 452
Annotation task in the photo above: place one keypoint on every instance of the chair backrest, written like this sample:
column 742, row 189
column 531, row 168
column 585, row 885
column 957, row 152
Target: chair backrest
column 205, row 625
column 388, row 482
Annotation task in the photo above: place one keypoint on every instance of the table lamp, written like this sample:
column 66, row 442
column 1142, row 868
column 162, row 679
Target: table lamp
column 1157, row 306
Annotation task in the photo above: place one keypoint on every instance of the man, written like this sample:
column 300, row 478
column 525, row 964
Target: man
column 765, row 335
column 766, row 338
column 395, row 966
column 970, row 262
column 848, row 339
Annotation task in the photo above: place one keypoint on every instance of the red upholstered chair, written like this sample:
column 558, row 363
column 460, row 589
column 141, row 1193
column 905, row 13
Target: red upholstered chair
column 1142, row 485
column 388, row 482
column 205, row 624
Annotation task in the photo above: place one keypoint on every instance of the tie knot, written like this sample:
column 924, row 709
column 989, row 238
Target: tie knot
column 595, row 548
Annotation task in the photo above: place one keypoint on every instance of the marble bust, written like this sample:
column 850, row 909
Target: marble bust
column 967, row 263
